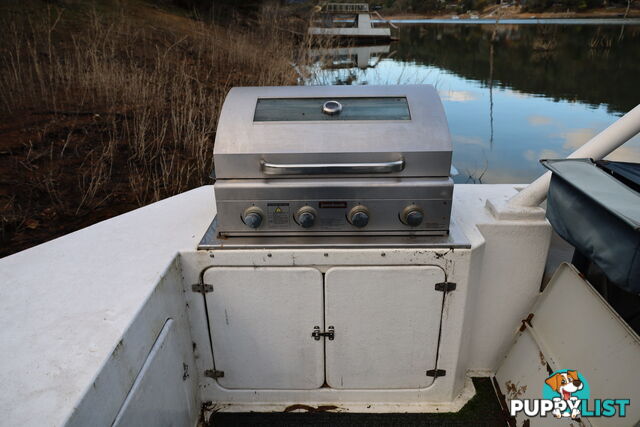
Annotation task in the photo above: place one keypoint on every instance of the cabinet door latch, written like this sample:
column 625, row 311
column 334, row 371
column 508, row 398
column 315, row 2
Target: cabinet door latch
column 212, row 373
column 435, row 373
column 202, row 288
column 445, row 286
column 316, row 334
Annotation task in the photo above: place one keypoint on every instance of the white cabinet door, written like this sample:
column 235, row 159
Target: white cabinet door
column 387, row 322
column 261, row 322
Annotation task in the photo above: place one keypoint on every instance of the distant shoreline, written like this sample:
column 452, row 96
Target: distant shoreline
column 513, row 13
column 518, row 21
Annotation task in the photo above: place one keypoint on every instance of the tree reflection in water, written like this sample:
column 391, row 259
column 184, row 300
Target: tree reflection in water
column 512, row 93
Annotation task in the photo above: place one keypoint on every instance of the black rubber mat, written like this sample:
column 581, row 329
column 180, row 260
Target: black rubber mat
column 482, row 411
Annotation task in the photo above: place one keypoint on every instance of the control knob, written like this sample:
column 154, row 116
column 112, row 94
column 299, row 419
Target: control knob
column 306, row 217
column 412, row 216
column 359, row 216
column 252, row 217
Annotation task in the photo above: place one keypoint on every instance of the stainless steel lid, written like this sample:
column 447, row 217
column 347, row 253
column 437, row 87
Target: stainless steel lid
column 285, row 132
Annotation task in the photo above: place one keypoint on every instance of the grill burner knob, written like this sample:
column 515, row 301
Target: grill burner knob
column 412, row 216
column 252, row 217
column 306, row 217
column 359, row 216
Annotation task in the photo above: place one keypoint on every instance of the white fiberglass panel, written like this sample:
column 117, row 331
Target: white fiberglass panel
column 160, row 395
column 261, row 321
column 387, row 322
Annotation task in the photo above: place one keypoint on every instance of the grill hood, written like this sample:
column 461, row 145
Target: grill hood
column 374, row 131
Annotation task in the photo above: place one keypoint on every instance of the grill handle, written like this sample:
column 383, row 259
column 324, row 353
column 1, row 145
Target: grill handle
column 331, row 168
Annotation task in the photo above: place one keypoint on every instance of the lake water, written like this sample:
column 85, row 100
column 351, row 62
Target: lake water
column 537, row 91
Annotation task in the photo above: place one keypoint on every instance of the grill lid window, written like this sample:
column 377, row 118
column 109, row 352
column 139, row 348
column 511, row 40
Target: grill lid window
column 315, row 109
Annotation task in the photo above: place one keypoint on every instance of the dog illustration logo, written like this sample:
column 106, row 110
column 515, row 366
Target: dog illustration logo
column 566, row 393
column 565, row 384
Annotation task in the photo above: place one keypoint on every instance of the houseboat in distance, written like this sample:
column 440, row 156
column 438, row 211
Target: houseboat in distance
column 350, row 21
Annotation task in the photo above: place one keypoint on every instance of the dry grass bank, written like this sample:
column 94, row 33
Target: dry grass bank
column 108, row 107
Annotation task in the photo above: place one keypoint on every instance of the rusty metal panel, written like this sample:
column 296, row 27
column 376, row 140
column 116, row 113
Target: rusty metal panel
column 572, row 327
column 522, row 376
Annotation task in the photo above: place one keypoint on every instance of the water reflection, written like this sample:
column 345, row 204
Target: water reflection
column 344, row 65
column 513, row 93
column 338, row 58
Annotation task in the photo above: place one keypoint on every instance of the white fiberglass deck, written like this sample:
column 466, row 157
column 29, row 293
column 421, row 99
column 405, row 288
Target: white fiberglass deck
column 66, row 305
column 81, row 313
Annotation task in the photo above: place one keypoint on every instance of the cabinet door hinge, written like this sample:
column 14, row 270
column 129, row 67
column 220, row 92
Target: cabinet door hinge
column 212, row 373
column 202, row 288
column 435, row 373
column 445, row 286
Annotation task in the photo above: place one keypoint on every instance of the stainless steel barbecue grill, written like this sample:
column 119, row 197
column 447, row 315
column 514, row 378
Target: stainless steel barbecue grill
column 332, row 161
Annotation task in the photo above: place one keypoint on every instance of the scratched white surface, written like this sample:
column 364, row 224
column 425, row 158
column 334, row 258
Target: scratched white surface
column 65, row 304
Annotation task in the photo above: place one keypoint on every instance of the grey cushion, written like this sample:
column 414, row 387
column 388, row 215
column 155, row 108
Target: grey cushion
column 599, row 215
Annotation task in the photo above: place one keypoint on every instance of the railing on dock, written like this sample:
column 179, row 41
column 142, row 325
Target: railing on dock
column 345, row 8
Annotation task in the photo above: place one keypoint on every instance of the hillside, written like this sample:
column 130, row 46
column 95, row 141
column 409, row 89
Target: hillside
column 108, row 106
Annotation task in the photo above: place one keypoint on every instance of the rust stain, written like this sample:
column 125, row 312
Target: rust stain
column 439, row 255
column 529, row 318
column 526, row 322
column 510, row 421
column 543, row 362
column 311, row 409
column 207, row 409
column 185, row 373
column 515, row 391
